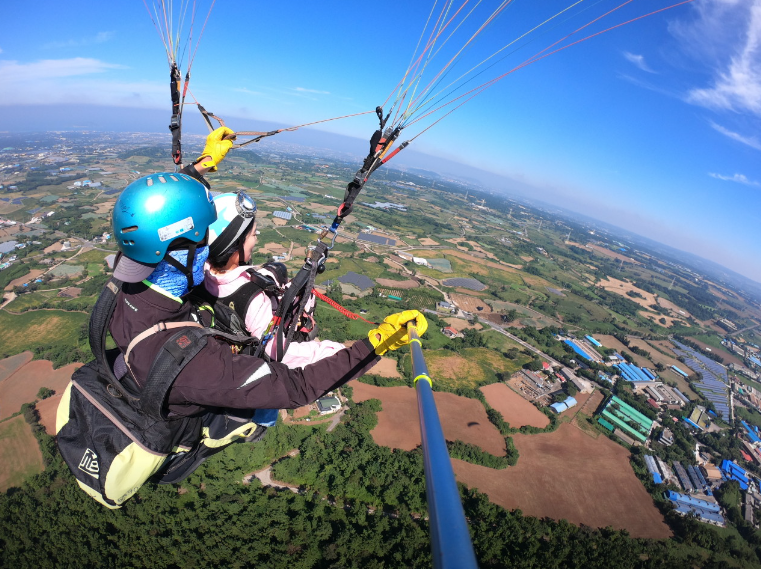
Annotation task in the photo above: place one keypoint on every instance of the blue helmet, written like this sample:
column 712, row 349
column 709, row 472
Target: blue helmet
column 154, row 211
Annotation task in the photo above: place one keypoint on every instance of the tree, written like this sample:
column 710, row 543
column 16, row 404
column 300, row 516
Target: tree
column 334, row 291
column 44, row 393
column 534, row 365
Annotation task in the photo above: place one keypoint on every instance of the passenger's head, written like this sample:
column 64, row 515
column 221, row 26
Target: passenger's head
column 233, row 236
column 162, row 219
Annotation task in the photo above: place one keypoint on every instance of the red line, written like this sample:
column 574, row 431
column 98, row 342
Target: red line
column 345, row 311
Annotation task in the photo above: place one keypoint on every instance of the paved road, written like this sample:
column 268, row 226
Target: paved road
column 265, row 477
column 336, row 419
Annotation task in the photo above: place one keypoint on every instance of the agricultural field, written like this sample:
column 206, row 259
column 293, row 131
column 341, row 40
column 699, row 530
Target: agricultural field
column 39, row 328
column 471, row 367
column 22, row 386
column 515, row 410
column 597, row 488
column 461, row 418
column 20, row 455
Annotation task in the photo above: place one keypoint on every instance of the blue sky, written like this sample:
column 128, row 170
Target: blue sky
column 653, row 126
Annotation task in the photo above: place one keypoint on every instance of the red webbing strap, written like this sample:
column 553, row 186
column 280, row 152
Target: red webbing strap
column 345, row 311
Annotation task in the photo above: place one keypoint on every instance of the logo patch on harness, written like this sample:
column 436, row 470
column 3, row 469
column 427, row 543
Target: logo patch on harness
column 89, row 463
column 183, row 342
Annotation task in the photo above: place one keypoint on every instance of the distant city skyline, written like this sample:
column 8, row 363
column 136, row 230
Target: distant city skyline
column 651, row 127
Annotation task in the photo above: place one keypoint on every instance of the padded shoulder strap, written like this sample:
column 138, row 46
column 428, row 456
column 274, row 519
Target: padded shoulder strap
column 175, row 354
column 241, row 299
column 99, row 319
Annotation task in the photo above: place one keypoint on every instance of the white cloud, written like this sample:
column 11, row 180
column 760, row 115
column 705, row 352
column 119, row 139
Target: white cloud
column 726, row 34
column 100, row 37
column 315, row 91
column 638, row 60
column 14, row 72
column 739, row 178
column 751, row 141
column 78, row 80
column 247, row 91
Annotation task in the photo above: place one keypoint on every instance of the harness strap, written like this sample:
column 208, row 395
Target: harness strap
column 99, row 320
column 160, row 327
column 175, row 126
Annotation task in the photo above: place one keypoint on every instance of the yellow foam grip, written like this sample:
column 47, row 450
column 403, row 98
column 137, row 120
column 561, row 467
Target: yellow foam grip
column 425, row 377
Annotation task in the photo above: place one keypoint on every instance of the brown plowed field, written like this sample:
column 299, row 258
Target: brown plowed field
column 22, row 386
column 470, row 303
column 9, row 365
column 562, row 475
column 569, row 475
column 33, row 274
column 461, row 418
column 459, row 324
column 514, row 408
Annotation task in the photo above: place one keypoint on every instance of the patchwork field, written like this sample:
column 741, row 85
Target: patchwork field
column 727, row 356
column 10, row 365
column 461, row 418
column 514, row 408
column 470, row 303
column 608, row 253
column 22, row 386
column 569, row 475
column 565, row 474
column 20, row 454
column 613, row 343
column 622, row 287
column 33, row 274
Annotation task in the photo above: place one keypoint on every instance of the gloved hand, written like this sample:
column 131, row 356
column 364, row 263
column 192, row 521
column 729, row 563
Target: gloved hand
column 216, row 148
column 392, row 333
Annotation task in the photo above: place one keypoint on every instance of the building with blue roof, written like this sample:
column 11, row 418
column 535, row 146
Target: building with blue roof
column 751, row 433
column 692, row 423
column 594, row 342
column 632, row 373
column 649, row 373
column 680, row 372
column 563, row 405
column 576, row 348
column 705, row 511
column 732, row 471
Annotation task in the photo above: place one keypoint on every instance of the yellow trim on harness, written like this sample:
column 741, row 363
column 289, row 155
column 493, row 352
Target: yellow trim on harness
column 211, row 310
column 425, row 377
column 160, row 290
column 419, row 343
